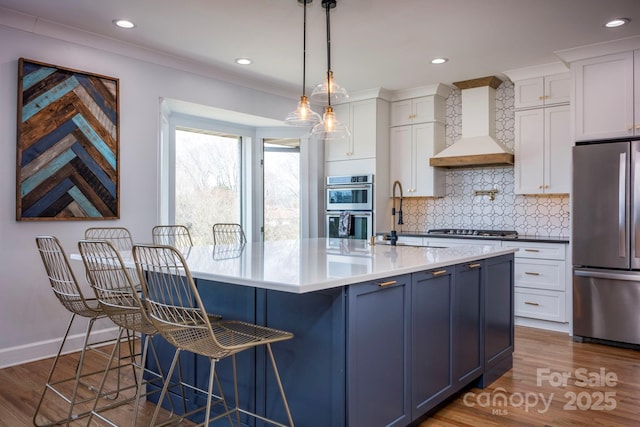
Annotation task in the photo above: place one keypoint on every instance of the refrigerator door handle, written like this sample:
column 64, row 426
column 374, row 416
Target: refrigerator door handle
column 622, row 235
column 606, row 275
column 635, row 228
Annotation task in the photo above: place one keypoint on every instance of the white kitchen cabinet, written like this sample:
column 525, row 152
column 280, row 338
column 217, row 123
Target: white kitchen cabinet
column 540, row 273
column 542, row 91
column 604, row 96
column 417, row 110
column 543, row 150
column 410, row 149
column 361, row 118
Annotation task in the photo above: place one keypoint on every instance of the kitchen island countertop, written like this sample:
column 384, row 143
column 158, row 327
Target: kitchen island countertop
column 308, row 265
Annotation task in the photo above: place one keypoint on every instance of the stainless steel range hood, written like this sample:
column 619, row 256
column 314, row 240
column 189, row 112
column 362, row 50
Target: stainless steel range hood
column 478, row 145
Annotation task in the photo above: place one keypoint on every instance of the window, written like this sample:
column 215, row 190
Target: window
column 207, row 181
column 281, row 189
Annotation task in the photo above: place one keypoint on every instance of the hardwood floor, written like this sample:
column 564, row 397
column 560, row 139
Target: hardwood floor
column 601, row 387
column 554, row 382
column 21, row 386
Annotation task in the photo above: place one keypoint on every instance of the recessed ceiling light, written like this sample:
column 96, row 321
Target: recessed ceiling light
column 123, row 23
column 618, row 22
column 439, row 60
column 243, row 61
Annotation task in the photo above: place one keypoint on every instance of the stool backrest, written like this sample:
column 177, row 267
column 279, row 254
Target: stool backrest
column 120, row 237
column 113, row 286
column 228, row 234
column 172, row 235
column 61, row 277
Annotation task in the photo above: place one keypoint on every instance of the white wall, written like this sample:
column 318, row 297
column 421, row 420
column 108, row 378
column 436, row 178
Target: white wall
column 31, row 319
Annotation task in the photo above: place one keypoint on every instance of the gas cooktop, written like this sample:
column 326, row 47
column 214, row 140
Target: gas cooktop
column 473, row 232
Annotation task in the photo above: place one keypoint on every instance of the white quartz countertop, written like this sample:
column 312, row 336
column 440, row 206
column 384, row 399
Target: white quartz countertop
column 308, row 265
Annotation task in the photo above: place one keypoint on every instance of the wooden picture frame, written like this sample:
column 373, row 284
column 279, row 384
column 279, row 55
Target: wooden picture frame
column 68, row 144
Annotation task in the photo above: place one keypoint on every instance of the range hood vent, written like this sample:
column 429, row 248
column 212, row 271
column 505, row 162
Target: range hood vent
column 478, row 145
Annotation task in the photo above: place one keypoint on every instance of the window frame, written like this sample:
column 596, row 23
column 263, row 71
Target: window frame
column 252, row 208
column 167, row 187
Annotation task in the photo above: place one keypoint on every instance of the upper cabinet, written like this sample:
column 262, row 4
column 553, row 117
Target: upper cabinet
column 416, row 110
column 542, row 129
column 410, row 150
column 360, row 117
column 604, row 96
column 417, row 133
column 542, row 91
column 543, row 150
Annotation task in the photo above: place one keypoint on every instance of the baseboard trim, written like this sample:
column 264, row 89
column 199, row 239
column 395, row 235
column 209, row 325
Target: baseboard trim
column 543, row 324
column 48, row 348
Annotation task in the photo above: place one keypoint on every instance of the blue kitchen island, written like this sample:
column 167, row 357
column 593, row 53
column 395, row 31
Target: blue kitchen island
column 383, row 334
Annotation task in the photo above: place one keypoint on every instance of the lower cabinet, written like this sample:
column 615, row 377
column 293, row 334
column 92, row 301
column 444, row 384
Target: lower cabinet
column 378, row 352
column 431, row 298
column 541, row 272
column 498, row 317
column 415, row 340
column 467, row 313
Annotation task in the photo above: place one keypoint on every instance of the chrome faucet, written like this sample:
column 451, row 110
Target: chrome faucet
column 393, row 238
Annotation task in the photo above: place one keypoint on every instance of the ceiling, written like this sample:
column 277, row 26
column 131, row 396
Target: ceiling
column 375, row 43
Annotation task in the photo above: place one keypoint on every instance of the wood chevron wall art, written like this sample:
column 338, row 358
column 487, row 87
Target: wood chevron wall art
column 68, row 144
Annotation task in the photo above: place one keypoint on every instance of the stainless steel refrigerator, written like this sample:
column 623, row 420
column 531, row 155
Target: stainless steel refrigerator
column 606, row 241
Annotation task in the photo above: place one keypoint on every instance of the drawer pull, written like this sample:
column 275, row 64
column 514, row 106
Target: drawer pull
column 438, row 273
column 474, row 265
column 531, row 303
column 532, row 250
column 531, row 273
column 389, row 283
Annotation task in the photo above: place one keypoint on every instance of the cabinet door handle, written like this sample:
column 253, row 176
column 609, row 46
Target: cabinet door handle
column 531, row 273
column 629, row 128
column 531, row 250
column 438, row 272
column 540, row 98
column 474, row 265
column 531, row 303
column 637, row 126
column 389, row 283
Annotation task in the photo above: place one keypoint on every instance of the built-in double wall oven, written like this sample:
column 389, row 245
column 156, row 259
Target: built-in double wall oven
column 349, row 206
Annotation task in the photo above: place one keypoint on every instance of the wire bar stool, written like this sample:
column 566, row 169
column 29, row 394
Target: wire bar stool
column 175, row 307
column 119, row 299
column 228, row 234
column 172, row 235
column 65, row 287
column 119, row 237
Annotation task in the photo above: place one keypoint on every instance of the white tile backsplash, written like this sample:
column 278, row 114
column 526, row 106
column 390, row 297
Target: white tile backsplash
column 531, row 215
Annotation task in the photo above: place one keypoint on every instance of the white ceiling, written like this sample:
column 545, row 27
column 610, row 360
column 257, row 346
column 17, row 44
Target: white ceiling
column 375, row 43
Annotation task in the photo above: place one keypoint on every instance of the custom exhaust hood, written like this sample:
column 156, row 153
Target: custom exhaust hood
column 478, row 145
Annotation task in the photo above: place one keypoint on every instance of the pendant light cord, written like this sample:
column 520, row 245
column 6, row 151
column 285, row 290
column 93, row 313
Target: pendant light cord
column 327, row 6
column 304, row 48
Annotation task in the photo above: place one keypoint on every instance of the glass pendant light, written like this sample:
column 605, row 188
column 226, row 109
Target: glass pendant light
column 330, row 128
column 329, row 87
column 303, row 115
